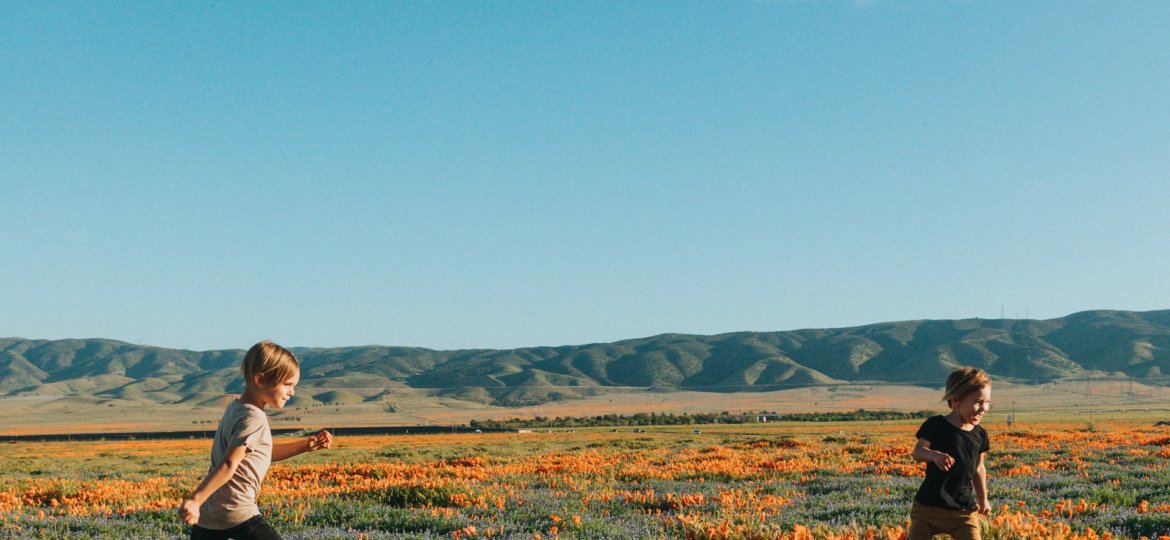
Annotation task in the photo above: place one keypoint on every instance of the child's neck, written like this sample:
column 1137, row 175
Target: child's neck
column 954, row 419
column 250, row 398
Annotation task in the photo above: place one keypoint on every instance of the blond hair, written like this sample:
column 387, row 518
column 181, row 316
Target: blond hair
column 963, row 381
column 270, row 361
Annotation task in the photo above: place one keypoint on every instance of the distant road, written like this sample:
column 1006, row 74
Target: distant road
column 207, row 434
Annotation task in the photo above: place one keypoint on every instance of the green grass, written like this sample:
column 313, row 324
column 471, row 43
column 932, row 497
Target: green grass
column 837, row 491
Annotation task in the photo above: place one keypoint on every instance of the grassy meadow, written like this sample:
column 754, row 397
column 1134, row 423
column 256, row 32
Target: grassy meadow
column 1049, row 479
column 1080, row 401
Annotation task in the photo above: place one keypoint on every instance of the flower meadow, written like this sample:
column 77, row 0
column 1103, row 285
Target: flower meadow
column 763, row 481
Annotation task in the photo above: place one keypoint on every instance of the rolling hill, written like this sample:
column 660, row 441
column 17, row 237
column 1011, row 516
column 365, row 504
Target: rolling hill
column 1115, row 344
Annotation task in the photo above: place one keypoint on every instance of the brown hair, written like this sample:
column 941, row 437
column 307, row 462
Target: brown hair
column 963, row 381
column 271, row 361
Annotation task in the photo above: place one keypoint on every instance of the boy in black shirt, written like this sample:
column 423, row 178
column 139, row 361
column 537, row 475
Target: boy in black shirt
column 954, row 492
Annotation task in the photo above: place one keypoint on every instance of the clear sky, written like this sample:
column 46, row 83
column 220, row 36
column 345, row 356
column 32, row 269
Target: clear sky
column 485, row 174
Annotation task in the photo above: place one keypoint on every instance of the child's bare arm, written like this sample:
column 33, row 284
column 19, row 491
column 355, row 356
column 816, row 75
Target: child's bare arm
column 981, row 485
column 923, row 453
column 215, row 479
column 284, row 450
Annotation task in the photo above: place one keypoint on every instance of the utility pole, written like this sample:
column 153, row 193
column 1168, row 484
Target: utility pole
column 1089, row 391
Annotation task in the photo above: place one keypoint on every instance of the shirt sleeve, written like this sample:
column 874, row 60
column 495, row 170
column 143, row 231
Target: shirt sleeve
column 986, row 443
column 247, row 431
column 926, row 430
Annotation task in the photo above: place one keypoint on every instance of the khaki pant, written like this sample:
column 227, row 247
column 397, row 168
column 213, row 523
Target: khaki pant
column 927, row 521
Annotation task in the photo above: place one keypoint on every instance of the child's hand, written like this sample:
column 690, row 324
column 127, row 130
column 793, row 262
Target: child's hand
column 322, row 440
column 189, row 512
column 985, row 507
column 942, row 460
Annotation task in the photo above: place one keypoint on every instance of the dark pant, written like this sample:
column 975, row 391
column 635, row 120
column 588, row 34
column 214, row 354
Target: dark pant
column 928, row 521
column 255, row 528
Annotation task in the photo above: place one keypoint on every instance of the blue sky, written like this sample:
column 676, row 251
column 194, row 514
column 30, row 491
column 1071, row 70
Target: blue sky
column 502, row 174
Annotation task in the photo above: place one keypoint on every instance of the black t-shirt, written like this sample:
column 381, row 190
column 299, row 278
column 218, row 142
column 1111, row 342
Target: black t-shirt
column 954, row 488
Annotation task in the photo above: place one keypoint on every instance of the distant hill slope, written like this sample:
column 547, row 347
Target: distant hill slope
column 1112, row 343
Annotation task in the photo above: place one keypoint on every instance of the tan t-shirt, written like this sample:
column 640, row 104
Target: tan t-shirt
column 235, row 502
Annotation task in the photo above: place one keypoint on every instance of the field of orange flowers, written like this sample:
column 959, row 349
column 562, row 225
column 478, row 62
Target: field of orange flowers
column 773, row 481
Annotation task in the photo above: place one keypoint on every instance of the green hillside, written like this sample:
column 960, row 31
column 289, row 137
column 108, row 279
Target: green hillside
column 1117, row 344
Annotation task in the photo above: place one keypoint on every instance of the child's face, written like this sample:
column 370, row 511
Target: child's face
column 278, row 394
column 972, row 406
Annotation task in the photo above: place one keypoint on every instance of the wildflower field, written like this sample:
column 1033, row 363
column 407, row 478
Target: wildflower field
column 776, row 480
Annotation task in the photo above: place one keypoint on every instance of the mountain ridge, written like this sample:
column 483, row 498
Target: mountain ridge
column 1107, row 343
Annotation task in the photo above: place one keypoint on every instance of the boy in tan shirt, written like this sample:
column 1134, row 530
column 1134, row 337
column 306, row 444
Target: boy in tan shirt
column 224, row 504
